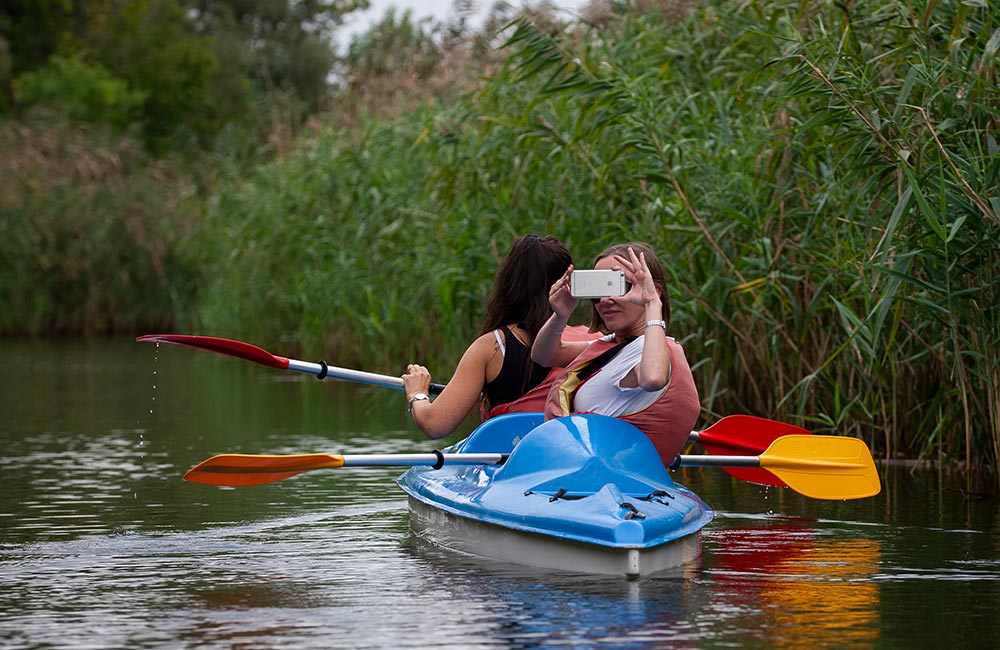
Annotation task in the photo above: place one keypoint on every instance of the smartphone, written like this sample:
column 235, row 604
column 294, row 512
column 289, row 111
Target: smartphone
column 596, row 284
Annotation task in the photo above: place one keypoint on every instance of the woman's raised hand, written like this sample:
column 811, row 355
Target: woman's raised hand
column 560, row 299
column 643, row 289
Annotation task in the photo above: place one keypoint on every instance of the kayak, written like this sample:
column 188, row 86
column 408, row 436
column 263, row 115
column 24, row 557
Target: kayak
column 582, row 493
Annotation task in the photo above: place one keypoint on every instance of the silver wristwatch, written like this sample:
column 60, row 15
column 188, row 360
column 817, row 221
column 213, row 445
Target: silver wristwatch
column 417, row 397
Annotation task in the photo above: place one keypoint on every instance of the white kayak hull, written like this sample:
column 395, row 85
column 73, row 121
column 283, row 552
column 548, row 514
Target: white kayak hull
column 481, row 540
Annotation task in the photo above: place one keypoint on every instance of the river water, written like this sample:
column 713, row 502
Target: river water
column 103, row 545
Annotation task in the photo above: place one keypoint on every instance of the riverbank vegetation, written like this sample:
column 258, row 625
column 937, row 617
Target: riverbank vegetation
column 819, row 178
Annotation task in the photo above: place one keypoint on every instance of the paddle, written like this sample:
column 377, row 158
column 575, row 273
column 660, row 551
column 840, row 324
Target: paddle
column 252, row 353
column 741, row 435
column 821, row 467
column 241, row 470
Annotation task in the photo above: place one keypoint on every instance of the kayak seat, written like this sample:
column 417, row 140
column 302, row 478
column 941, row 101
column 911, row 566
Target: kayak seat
column 501, row 433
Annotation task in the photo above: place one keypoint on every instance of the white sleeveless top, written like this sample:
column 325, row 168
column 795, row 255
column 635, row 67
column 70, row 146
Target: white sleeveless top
column 603, row 394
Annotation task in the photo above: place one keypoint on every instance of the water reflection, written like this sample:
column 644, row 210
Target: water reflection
column 812, row 584
column 520, row 607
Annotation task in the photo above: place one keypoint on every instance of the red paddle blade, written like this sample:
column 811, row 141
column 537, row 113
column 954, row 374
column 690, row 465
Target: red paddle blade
column 746, row 435
column 232, row 348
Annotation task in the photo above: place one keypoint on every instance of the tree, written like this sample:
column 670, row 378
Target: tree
column 199, row 65
column 281, row 46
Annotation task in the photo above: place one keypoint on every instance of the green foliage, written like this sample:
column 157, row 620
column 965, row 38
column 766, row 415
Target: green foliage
column 275, row 46
column 83, row 92
column 337, row 239
column 400, row 64
column 34, row 30
column 257, row 66
column 153, row 47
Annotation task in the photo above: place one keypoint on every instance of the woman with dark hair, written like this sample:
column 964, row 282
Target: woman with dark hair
column 635, row 372
column 496, row 369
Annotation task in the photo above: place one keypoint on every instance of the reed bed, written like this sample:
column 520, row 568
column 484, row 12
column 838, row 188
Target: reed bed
column 821, row 182
column 89, row 227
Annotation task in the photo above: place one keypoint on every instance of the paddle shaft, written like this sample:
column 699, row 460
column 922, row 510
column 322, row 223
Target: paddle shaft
column 263, row 464
column 685, row 460
column 323, row 370
column 755, row 461
column 249, row 352
column 821, row 467
column 412, row 460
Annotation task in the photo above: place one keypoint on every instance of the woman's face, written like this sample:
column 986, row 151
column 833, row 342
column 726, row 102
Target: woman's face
column 619, row 315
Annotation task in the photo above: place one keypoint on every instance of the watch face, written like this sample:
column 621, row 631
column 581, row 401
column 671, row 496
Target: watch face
column 416, row 398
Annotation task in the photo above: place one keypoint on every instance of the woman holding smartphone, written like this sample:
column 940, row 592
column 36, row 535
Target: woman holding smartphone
column 635, row 372
column 496, row 369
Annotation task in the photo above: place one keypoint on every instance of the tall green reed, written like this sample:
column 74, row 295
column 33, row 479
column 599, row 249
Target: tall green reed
column 88, row 232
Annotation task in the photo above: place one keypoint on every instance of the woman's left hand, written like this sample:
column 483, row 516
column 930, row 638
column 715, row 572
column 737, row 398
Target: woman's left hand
column 643, row 289
column 416, row 380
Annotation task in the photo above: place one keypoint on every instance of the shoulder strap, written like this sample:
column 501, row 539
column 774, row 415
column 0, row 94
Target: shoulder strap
column 602, row 359
column 500, row 342
column 584, row 372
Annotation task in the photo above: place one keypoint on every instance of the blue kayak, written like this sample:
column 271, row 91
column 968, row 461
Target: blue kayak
column 583, row 493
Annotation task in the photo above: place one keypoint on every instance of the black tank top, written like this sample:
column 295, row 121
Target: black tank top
column 514, row 378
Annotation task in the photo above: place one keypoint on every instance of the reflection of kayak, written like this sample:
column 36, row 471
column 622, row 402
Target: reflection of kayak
column 583, row 493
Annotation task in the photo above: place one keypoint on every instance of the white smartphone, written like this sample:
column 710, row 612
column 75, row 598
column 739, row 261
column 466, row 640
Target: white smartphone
column 596, row 284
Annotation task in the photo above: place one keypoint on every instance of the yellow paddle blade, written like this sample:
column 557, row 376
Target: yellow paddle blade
column 241, row 470
column 823, row 467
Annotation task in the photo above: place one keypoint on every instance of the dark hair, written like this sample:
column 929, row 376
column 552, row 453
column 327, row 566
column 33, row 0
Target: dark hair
column 655, row 269
column 521, row 286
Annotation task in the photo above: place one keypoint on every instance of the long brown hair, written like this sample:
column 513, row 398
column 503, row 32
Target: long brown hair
column 521, row 287
column 655, row 270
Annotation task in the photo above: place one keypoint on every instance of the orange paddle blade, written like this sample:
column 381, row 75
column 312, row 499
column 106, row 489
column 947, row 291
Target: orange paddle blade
column 241, row 470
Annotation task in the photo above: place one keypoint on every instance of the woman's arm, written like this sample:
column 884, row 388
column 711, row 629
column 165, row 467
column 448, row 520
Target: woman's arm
column 549, row 349
column 653, row 370
column 441, row 417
